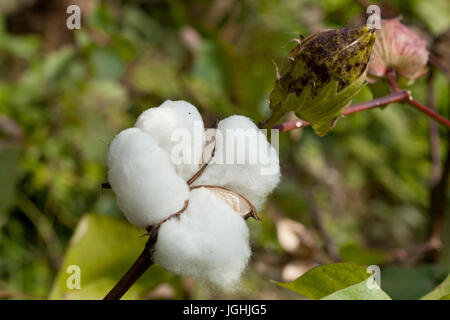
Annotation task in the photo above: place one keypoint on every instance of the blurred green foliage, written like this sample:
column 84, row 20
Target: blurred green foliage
column 69, row 95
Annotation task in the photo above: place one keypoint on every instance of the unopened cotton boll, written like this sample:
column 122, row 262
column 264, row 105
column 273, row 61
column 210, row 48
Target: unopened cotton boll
column 244, row 161
column 143, row 179
column 178, row 128
column 209, row 241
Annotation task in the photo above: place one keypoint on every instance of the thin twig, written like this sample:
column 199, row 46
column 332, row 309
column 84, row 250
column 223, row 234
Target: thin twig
column 434, row 133
column 418, row 250
column 391, row 76
column 397, row 95
column 143, row 262
column 429, row 112
column 392, row 79
column 375, row 103
column 440, row 64
column 438, row 201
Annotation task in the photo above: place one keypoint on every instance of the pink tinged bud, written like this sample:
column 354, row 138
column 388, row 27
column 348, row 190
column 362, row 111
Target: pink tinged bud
column 398, row 48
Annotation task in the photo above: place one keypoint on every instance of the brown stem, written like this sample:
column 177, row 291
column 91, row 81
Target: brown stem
column 143, row 262
column 391, row 76
column 429, row 112
column 375, row 103
column 438, row 203
column 416, row 251
column 434, row 133
column 396, row 96
column 440, row 64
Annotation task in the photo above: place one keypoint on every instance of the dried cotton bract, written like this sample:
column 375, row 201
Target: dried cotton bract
column 209, row 240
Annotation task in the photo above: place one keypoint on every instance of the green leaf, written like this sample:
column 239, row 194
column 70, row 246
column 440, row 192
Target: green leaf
column 104, row 248
column 365, row 290
column 324, row 280
column 442, row 291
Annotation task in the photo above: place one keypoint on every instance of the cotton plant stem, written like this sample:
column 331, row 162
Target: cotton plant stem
column 429, row 112
column 396, row 96
column 375, row 103
column 433, row 133
column 438, row 201
column 438, row 191
column 392, row 79
column 143, row 262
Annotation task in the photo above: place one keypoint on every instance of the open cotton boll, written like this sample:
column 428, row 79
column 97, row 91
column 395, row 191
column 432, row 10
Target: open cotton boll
column 178, row 128
column 146, row 185
column 209, row 241
column 244, row 161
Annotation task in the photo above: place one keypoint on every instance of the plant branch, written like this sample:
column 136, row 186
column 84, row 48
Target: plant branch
column 428, row 112
column 438, row 201
column 392, row 77
column 433, row 133
column 396, row 96
column 143, row 262
column 416, row 251
column 375, row 103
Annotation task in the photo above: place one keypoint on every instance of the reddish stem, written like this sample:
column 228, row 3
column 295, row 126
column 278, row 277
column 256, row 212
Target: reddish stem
column 382, row 101
column 396, row 96
column 391, row 76
column 429, row 112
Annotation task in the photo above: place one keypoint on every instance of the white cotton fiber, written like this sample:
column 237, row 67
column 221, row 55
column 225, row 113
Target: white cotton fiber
column 209, row 241
column 178, row 128
column 146, row 185
column 258, row 171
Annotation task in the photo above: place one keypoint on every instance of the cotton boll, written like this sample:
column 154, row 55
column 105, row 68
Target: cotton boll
column 209, row 241
column 178, row 128
column 244, row 161
column 146, row 185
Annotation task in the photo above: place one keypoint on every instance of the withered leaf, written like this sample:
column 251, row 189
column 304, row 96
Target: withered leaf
column 238, row 202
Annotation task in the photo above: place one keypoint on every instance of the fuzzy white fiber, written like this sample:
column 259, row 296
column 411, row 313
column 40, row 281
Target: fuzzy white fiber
column 209, row 241
column 258, row 172
column 146, row 185
column 176, row 124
